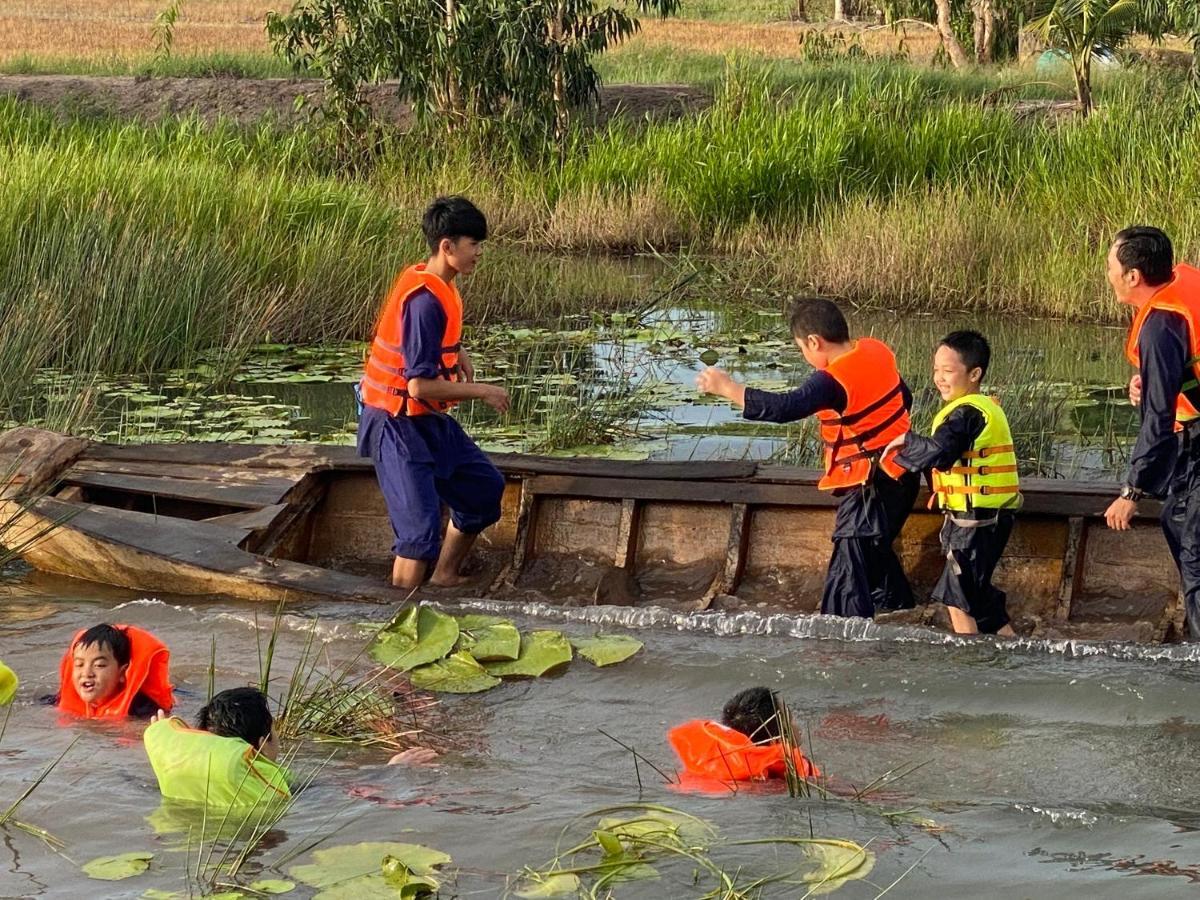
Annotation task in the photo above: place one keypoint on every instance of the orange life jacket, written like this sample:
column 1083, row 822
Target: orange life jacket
column 709, row 749
column 383, row 383
column 1180, row 295
column 148, row 674
column 874, row 415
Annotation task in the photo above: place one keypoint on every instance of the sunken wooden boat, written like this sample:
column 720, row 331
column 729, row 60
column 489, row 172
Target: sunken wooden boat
column 306, row 522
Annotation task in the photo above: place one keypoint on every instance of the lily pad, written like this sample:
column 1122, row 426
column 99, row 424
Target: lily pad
column 356, row 872
column 8, row 684
column 417, row 636
column 118, row 868
column 488, row 638
column 541, row 651
column 459, row 673
column 273, row 886
column 837, row 862
column 549, row 884
column 710, row 357
column 661, row 826
column 607, row 649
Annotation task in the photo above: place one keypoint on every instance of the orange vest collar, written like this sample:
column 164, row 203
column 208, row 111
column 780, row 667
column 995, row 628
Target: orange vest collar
column 148, row 674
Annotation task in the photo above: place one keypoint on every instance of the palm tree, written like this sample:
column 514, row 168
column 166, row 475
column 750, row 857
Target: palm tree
column 1084, row 28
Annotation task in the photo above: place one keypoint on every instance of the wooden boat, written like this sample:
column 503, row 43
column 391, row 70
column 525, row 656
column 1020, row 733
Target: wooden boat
column 307, row 522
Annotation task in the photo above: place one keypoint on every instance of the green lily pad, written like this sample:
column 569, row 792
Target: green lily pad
column 273, row 886
column 117, row 868
column 607, row 649
column 488, row 638
column 8, row 684
column 541, row 651
column 417, row 636
column 710, row 357
column 159, row 894
column 837, row 862
column 356, row 872
column 661, row 826
column 549, row 884
column 459, row 673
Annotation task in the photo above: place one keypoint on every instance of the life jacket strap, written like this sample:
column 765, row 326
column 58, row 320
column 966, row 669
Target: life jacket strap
column 853, row 417
column 980, row 470
column 989, row 451
column 982, row 489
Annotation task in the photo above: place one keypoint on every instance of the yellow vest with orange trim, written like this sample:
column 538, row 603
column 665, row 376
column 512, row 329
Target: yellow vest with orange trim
column 874, row 415
column 202, row 767
column 1180, row 295
column 148, row 673
column 986, row 475
column 383, row 383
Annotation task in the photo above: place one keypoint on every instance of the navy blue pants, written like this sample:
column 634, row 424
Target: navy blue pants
column 1180, row 521
column 422, row 462
column 972, row 554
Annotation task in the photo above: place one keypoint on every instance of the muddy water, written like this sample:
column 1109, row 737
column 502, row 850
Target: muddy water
column 1049, row 773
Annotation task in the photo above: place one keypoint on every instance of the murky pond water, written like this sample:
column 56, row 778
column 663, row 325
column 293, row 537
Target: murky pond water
column 1048, row 772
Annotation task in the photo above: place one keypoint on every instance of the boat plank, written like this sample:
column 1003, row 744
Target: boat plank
column 190, row 472
column 520, row 464
column 251, row 519
column 248, row 496
column 311, row 456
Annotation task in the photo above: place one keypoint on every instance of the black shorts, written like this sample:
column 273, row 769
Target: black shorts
column 972, row 554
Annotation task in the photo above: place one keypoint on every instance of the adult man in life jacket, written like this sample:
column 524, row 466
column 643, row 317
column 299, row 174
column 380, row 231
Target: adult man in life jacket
column 1164, row 345
column 416, row 372
column 862, row 403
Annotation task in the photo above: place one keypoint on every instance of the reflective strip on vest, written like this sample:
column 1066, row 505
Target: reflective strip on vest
column 1181, row 295
column 986, row 475
column 874, row 415
column 201, row 767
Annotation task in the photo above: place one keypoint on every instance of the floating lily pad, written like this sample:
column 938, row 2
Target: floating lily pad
column 488, row 638
column 118, row 868
column 459, row 673
column 837, row 862
column 273, row 886
column 607, row 649
column 8, row 684
column 710, row 357
column 549, row 884
column 661, row 826
column 417, row 636
column 541, row 652
column 357, row 871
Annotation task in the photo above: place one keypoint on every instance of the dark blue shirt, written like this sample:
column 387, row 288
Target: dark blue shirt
column 1163, row 353
column 950, row 440
column 820, row 391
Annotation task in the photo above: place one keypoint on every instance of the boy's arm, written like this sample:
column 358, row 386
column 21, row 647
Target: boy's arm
column 820, row 391
column 946, row 445
column 423, row 327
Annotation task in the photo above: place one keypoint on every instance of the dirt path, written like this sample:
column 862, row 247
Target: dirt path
column 250, row 100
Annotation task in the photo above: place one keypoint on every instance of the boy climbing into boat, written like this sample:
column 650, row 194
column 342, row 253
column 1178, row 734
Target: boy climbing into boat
column 861, row 403
column 113, row 671
column 417, row 370
column 746, row 745
column 227, row 760
column 974, row 466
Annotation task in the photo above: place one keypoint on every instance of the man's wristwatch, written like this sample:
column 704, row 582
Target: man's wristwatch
column 1129, row 492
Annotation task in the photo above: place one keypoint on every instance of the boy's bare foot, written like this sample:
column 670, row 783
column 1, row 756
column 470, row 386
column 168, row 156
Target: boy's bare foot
column 414, row 756
column 448, row 579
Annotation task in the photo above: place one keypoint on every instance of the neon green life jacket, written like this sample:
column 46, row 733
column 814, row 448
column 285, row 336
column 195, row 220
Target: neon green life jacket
column 8, row 684
column 986, row 476
column 202, row 767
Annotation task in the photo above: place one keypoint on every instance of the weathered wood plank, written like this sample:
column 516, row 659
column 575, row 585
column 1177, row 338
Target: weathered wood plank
column 190, row 472
column 1073, row 557
column 628, row 531
column 248, row 496
column 311, row 456
column 520, row 464
column 250, row 520
column 735, row 555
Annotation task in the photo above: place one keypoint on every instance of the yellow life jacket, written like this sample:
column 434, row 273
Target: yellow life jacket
column 986, row 476
column 8, row 684
column 202, row 767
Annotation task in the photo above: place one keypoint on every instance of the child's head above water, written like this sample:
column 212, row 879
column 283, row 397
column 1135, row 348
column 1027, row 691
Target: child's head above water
column 753, row 713
column 960, row 363
column 100, row 659
column 241, row 713
column 817, row 325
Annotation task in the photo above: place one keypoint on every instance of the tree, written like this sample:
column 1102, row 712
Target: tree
column 950, row 42
column 1084, row 28
column 524, row 65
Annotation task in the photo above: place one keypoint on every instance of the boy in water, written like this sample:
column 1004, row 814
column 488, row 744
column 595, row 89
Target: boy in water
column 416, row 372
column 227, row 760
column 112, row 671
column 746, row 745
column 974, row 480
column 861, row 401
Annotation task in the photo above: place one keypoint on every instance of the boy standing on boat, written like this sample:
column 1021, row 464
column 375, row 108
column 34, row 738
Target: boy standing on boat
column 1164, row 345
column 862, row 403
column 974, row 468
column 416, row 372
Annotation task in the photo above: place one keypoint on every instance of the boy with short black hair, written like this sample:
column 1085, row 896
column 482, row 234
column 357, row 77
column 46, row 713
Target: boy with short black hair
column 974, row 465
column 112, row 671
column 416, row 372
column 862, row 403
column 227, row 760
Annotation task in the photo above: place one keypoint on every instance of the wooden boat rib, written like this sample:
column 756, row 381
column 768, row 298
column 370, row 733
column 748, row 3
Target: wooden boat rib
column 307, row 522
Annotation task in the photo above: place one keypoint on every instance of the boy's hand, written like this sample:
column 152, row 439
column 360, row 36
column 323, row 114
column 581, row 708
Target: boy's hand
column 494, row 396
column 715, row 381
column 465, row 366
column 158, row 717
column 1135, row 390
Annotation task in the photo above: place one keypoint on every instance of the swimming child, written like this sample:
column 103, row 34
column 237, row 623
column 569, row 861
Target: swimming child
column 746, row 745
column 113, row 671
column 227, row 760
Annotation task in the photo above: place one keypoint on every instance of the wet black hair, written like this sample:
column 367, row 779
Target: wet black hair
column 753, row 713
column 971, row 346
column 815, row 315
column 238, row 712
column 1148, row 250
column 453, row 218
column 107, row 637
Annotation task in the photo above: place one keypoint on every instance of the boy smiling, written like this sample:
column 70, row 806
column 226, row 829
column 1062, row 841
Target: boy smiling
column 974, row 481
column 111, row 671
